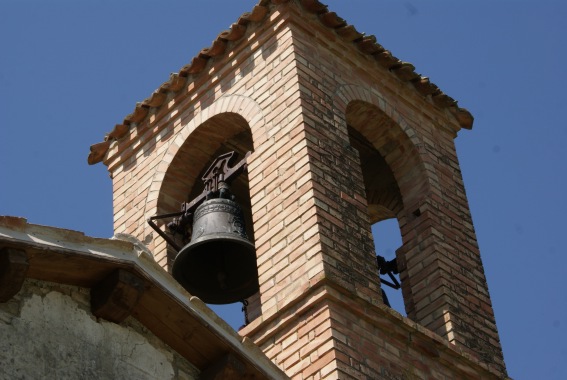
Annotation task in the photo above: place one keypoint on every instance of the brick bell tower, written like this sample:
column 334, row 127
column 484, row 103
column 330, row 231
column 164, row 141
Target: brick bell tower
column 343, row 135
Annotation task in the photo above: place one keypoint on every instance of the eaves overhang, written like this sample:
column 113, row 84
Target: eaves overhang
column 180, row 320
column 225, row 41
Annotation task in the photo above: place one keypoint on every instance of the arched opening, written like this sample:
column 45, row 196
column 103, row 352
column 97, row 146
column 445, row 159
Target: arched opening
column 387, row 160
column 384, row 202
column 387, row 239
column 222, row 133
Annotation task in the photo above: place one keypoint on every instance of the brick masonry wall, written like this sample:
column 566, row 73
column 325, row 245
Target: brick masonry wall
column 328, row 335
column 444, row 284
column 293, row 85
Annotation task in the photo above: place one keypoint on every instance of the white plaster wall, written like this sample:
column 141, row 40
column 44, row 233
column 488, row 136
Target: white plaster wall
column 48, row 332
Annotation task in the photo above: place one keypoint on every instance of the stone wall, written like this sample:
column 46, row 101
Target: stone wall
column 48, row 332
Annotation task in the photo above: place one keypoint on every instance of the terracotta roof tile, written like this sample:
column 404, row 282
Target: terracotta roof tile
column 424, row 86
column 405, row 71
column 235, row 32
column 349, row 33
column 365, row 43
column 368, row 45
column 331, row 20
column 118, row 132
column 98, row 151
column 313, row 6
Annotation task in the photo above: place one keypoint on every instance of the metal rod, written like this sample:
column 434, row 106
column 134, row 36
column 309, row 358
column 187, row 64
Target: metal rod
column 245, row 310
column 160, row 232
column 387, row 267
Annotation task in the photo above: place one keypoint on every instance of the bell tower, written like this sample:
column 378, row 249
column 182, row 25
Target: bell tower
column 342, row 134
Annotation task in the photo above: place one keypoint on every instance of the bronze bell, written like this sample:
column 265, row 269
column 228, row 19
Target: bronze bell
column 219, row 264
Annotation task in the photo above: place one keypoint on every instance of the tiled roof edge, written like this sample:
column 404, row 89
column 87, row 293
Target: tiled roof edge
column 365, row 43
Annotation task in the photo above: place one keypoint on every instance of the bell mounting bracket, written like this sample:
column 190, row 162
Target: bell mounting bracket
column 389, row 267
column 222, row 172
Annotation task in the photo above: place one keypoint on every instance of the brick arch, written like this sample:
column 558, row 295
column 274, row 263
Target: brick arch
column 397, row 147
column 229, row 117
column 367, row 111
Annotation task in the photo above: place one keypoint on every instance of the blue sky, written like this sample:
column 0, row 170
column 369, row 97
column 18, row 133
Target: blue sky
column 71, row 70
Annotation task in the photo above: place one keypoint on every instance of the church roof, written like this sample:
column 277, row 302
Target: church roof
column 366, row 44
column 144, row 291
